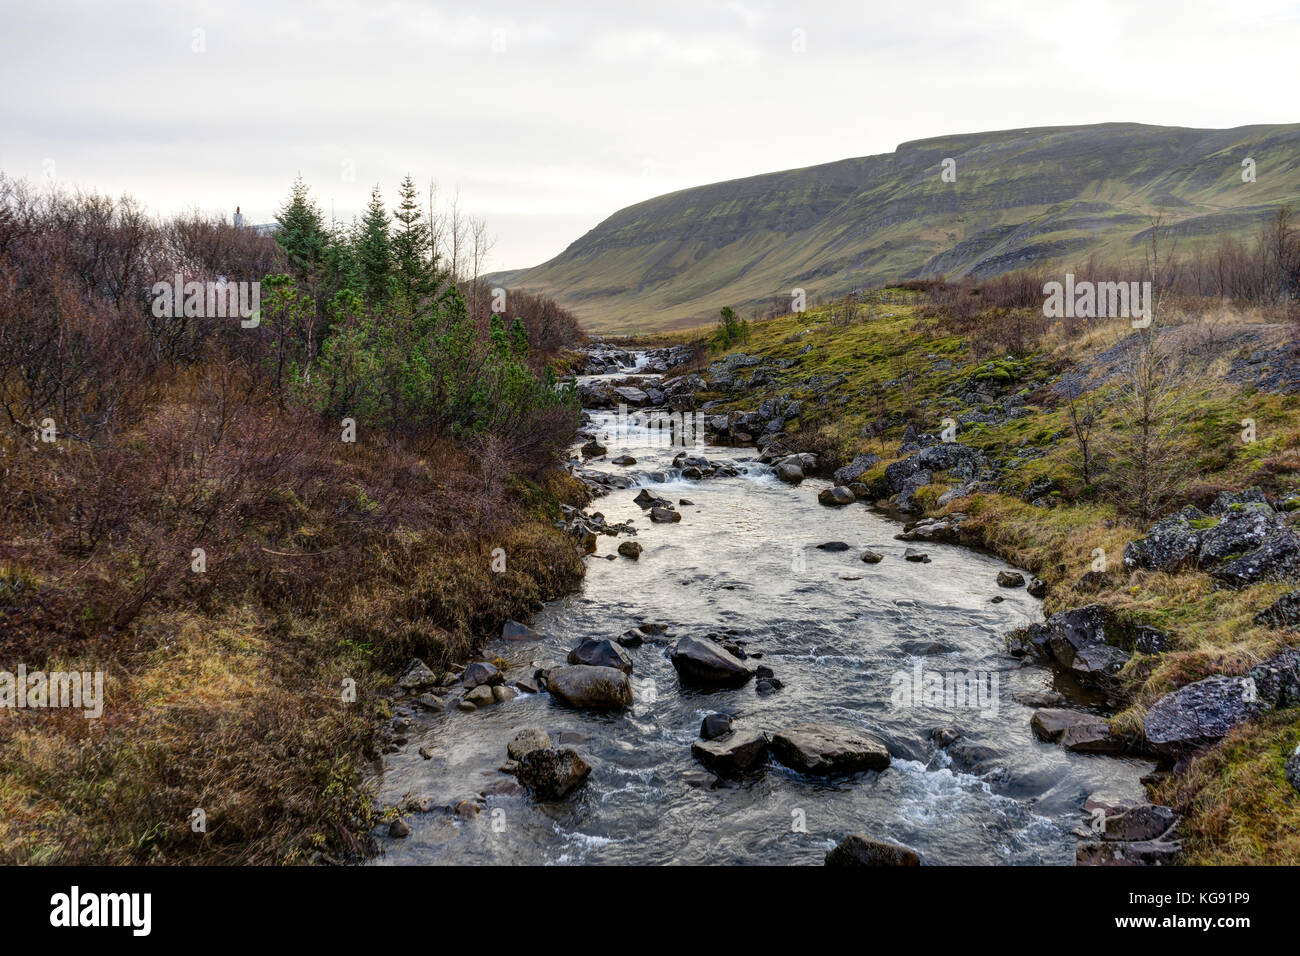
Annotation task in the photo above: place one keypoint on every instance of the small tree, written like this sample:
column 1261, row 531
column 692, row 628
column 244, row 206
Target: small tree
column 301, row 233
column 731, row 329
column 1083, row 412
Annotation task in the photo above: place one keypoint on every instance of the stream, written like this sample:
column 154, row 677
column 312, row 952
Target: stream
column 850, row 643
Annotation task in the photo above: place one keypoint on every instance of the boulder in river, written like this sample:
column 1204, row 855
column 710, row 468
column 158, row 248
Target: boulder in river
column 514, row 631
column 871, row 557
column 594, row 688
column 703, row 662
column 836, row 497
column 789, row 470
column 1036, row 588
column 647, row 500
column 601, row 653
column 624, row 460
column 1048, row 723
column 1010, row 579
column 833, row 546
column 630, row 549
column 858, row 849
column 823, row 750
column 480, row 672
column 1077, row 639
column 715, row 725
column 551, row 773
column 919, row 557
column 1076, row 731
column 733, row 753
column 665, row 515
column 526, row 740
column 593, row 449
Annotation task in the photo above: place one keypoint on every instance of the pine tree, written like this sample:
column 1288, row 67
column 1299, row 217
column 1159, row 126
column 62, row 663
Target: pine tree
column 518, row 339
column 301, row 233
column 340, row 271
column 412, row 262
column 374, row 250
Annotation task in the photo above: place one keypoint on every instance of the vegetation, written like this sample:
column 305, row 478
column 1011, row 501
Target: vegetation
column 185, row 510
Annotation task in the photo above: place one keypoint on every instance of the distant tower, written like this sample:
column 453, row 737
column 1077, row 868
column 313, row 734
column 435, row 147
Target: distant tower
column 239, row 218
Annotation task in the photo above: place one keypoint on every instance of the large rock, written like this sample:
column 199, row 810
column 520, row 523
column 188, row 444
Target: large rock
column 527, row 740
column 1199, row 714
column 715, row 725
column 1118, row 833
column 836, row 497
column 514, row 631
column 594, row 688
column 1169, row 543
column 1077, row 639
column 789, row 470
column 702, row 662
column 822, row 750
column 552, row 774
column 417, row 676
column 733, row 753
column 1277, row 559
column 664, row 515
column 1284, row 612
column 1049, row 723
column 628, row 395
column 854, row 469
column 961, row 461
column 1292, row 769
column 1277, row 681
column 480, row 672
column 1242, row 540
column 858, row 849
column 601, row 653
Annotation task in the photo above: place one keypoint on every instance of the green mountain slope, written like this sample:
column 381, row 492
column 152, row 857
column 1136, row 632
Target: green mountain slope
column 1051, row 195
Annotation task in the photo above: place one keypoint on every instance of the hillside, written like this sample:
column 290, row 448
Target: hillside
column 1045, row 196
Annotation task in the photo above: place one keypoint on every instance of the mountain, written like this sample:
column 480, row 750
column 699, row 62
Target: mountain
column 1044, row 196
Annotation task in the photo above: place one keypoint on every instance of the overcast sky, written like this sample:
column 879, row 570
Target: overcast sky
column 551, row 114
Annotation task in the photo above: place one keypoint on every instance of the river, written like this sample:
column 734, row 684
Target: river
column 847, row 640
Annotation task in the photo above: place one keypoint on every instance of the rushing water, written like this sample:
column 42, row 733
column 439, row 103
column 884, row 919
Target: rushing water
column 840, row 634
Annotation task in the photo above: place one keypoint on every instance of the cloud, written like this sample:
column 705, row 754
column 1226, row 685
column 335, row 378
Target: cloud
column 551, row 116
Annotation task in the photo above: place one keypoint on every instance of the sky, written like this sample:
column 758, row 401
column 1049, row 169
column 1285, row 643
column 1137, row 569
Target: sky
column 546, row 117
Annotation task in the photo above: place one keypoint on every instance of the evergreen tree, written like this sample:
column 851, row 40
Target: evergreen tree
column 374, row 250
column 518, row 339
column 301, row 233
column 413, row 264
column 340, row 271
